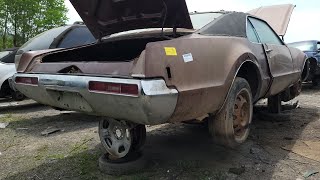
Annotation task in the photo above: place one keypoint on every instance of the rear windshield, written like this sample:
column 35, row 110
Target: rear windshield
column 202, row 19
column 43, row 40
column 304, row 46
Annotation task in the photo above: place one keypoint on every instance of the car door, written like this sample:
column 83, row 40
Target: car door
column 277, row 54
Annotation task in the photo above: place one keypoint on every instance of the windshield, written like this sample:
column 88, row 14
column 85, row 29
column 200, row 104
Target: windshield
column 303, row 46
column 4, row 53
column 202, row 19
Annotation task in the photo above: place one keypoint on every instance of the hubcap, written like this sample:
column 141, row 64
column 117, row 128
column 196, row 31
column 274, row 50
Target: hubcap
column 241, row 114
column 115, row 137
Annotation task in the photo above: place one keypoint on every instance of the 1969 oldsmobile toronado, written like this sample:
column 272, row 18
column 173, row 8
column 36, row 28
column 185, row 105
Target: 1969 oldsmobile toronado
column 156, row 63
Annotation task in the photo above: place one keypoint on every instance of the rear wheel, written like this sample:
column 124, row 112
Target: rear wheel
column 316, row 81
column 17, row 96
column 230, row 127
column 133, row 163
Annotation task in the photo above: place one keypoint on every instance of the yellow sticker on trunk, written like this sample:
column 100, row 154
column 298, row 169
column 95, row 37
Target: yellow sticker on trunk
column 170, row 51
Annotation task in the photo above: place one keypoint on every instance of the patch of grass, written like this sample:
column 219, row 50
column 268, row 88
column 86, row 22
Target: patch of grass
column 56, row 156
column 9, row 145
column 139, row 177
column 14, row 121
column 8, row 118
column 9, row 139
column 219, row 176
column 86, row 161
column 41, row 152
column 80, row 146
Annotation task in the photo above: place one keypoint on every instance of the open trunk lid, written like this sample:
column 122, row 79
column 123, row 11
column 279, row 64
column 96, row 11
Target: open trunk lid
column 278, row 16
column 105, row 17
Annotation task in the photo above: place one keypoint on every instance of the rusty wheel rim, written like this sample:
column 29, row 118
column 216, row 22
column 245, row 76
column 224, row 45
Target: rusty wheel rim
column 241, row 114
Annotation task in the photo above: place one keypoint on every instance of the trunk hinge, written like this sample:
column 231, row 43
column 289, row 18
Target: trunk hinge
column 164, row 22
column 100, row 37
column 165, row 13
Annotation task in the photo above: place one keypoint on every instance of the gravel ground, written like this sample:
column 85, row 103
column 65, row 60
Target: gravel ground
column 285, row 146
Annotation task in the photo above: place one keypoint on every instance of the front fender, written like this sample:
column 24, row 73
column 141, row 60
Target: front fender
column 6, row 71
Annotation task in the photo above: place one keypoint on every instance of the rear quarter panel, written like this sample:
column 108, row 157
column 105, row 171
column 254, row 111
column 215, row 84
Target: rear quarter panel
column 203, row 83
column 299, row 59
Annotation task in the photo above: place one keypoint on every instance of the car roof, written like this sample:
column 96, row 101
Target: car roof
column 49, row 38
column 11, row 49
column 313, row 41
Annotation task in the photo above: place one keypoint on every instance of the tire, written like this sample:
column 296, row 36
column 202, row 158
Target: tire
column 139, row 138
column 315, row 81
column 18, row 96
column 132, row 163
column 226, row 128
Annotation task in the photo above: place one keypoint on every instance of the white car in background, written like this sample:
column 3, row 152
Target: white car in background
column 66, row 36
column 7, row 70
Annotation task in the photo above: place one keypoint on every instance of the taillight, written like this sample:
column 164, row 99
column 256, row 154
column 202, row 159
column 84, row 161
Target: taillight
column 27, row 80
column 115, row 88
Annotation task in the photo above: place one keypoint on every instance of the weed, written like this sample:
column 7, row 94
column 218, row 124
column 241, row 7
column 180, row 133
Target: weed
column 8, row 118
column 81, row 146
column 41, row 152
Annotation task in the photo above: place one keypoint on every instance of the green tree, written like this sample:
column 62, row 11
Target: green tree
column 22, row 19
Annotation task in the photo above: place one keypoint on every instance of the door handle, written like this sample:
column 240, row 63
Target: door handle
column 269, row 50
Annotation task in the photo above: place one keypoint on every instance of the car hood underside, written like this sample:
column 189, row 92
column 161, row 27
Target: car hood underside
column 278, row 16
column 105, row 17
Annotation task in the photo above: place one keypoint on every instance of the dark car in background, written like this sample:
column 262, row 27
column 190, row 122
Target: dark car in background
column 312, row 50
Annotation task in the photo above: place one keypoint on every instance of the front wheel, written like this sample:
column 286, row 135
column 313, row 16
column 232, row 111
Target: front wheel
column 230, row 127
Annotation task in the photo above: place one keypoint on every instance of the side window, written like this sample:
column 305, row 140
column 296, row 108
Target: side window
column 76, row 37
column 265, row 33
column 318, row 46
column 251, row 34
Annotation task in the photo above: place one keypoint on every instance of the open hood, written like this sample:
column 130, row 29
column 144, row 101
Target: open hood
column 278, row 16
column 105, row 17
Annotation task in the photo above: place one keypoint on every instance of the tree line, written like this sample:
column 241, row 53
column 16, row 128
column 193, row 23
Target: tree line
column 21, row 20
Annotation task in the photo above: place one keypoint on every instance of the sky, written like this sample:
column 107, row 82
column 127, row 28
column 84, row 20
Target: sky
column 304, row 24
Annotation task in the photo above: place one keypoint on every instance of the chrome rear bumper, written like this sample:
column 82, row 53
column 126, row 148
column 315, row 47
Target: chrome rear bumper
column 154, row 104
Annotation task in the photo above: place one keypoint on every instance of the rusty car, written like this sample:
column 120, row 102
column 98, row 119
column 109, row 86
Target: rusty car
column 157, row 63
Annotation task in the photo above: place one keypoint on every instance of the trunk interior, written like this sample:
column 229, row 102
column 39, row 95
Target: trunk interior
column 112, row 51
column 114, row 56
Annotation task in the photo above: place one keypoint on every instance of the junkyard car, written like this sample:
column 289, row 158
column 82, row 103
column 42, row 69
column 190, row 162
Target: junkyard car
column 312, row 50
column 216, row 63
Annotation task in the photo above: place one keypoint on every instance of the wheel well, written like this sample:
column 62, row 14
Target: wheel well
column 313, row 63
column 312, row 60
column 250, row 72
column 309, row 68
column 5, row 88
